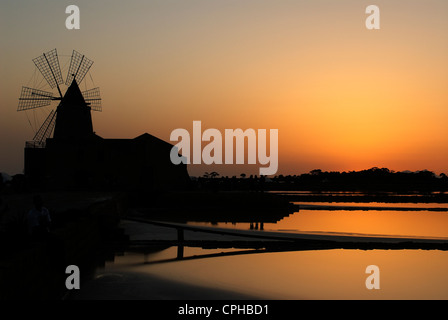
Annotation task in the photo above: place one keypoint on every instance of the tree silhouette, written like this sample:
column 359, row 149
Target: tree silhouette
column 213, row 174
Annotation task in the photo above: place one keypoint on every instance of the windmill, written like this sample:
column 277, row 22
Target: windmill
column 72, row 115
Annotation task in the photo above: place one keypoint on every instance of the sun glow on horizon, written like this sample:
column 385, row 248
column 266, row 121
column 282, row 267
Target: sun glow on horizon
column 342, row 97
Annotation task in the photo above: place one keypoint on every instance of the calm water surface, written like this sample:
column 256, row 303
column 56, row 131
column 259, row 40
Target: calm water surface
column 325, row 274
column 369, row 222
column 316, row 274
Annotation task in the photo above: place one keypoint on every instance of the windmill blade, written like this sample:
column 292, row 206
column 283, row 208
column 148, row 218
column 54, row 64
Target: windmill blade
column 48, row 65
column 33, row 98
column 79, row 66
column 46, row 128
column 93, row 98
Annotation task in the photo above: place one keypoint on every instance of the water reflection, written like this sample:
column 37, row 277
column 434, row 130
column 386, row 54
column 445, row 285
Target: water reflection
column 385, row 222
column 182, row 272
column 323, row 274
column 359, row 193
column 376, row 205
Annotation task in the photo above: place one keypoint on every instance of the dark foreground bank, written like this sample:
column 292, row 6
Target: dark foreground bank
column 83, row 227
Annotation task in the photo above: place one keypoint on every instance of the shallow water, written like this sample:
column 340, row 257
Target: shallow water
column 292, row 275
column 324, row 274
column 356, row 193
column 376, row 205
column 370, row 222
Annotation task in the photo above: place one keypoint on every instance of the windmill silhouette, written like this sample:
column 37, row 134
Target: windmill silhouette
column 75, row 157
column 72, row 117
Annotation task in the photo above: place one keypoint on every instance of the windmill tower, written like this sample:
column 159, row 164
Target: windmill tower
column 72, row 117
column 66, row 154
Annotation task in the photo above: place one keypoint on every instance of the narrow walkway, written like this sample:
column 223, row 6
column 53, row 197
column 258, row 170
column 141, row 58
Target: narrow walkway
column 182, row 234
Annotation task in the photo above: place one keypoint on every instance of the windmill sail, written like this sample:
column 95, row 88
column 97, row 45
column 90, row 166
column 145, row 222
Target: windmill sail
column 33, row 98
column 93, row 98
column 48, row 65
column 46, row 129
column 79, row 66
column 72, row 118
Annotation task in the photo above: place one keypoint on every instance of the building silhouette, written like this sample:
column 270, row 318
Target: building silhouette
column 76, row 157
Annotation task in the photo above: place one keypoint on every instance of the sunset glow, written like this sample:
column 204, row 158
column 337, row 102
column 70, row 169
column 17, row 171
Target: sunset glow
column 342, row 97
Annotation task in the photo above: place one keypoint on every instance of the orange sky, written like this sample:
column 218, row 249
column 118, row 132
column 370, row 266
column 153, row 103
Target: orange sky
column 342, row 97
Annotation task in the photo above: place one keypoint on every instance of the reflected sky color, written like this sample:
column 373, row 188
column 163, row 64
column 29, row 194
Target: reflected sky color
column 392, row 223
column 314, row 274
column 379, row 205
column 326, row 274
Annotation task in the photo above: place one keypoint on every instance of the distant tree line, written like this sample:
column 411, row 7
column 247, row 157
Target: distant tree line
column 374, row 179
